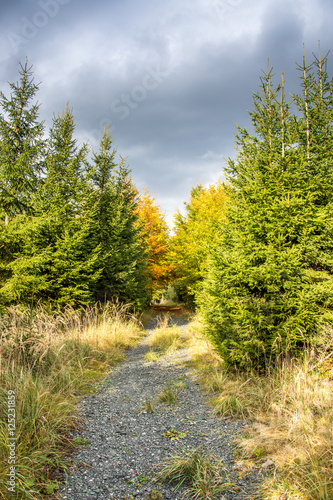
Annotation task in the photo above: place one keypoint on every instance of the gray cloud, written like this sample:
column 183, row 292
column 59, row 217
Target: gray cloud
column 171, row 79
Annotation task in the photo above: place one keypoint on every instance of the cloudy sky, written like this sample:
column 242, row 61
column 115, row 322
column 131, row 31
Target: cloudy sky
column 171, row 78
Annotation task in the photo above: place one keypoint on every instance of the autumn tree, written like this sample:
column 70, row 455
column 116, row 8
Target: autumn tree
column 157, row 239
column 195, row 232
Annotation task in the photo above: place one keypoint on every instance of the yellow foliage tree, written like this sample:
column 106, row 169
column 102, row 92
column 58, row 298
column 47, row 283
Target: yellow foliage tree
column 194, row 233
column 157, row 237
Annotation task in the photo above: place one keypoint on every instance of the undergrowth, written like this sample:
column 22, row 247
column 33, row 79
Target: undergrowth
column 46, row 362
column 291, row 407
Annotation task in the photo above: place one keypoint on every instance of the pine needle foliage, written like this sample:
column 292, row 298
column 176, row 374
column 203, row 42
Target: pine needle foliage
column 69, row 229
column 21, row 145
column 116, row 230
column 269, row 286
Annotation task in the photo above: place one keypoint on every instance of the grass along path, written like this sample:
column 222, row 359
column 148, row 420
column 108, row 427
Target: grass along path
column 46, row 362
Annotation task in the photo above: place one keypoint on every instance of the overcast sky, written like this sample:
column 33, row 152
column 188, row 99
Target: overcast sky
column 171, row 78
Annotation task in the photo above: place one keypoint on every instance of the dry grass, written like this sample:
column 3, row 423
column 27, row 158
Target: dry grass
column 203, row 355
column 47, row 360
column 295, row 429
column 199, row 470
column 292, row 406
column 167, row 339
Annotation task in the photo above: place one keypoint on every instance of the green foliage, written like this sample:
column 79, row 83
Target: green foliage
column 117, row 232
column 71, row 233
column 21, row 146
column 269, row 286
column 49, row 260
column 148, row 406
column 169, row 394
column 173, row 434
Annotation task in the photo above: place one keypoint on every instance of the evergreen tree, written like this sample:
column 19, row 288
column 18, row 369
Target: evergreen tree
column 315, row 139
column 73, row 273
column 71, row 231
column 21, row 149
column 65, row 166
column 126, row 271
column 116, row 230
column 101, row 204
column 315, row 126
column 257, row 296
column 21, row 146
column 54, row 263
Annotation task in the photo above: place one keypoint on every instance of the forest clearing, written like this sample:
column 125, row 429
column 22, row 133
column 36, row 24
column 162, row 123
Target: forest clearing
column 244, row 286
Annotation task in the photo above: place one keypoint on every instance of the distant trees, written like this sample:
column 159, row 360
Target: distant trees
column 269, row 287
column 69, row 231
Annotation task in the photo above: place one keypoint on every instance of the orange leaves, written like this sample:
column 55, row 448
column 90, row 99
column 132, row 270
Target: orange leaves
column 156, row 233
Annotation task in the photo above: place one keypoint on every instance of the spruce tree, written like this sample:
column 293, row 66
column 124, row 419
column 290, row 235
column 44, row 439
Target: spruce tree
column 256, row 298
column 130, row 269
column 21, row 146
column 315, row 126
column 101, row 205
column 315, row 139
column 73, row 273
column 116, row 230
column 54, row 263
column 21, row 150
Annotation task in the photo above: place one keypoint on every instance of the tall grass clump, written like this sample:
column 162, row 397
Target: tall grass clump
column 199, row 470
column 290, row 408
column 47, row 361
column 295, row 427
column 167, row 338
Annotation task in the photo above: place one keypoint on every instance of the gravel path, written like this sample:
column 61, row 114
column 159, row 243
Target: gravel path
column 127, row 443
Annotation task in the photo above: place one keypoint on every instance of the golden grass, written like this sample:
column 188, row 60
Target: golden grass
column 46, row 361
column 295, row 429
column 167, row 338
column 203, row 355
column 292, row 407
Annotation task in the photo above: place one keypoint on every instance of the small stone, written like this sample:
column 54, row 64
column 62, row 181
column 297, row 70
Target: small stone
column 267, row 464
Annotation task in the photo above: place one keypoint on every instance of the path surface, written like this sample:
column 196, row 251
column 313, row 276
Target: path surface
column 127, row 442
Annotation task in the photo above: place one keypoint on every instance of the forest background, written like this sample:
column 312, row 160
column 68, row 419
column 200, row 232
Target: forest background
column 254, row 254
